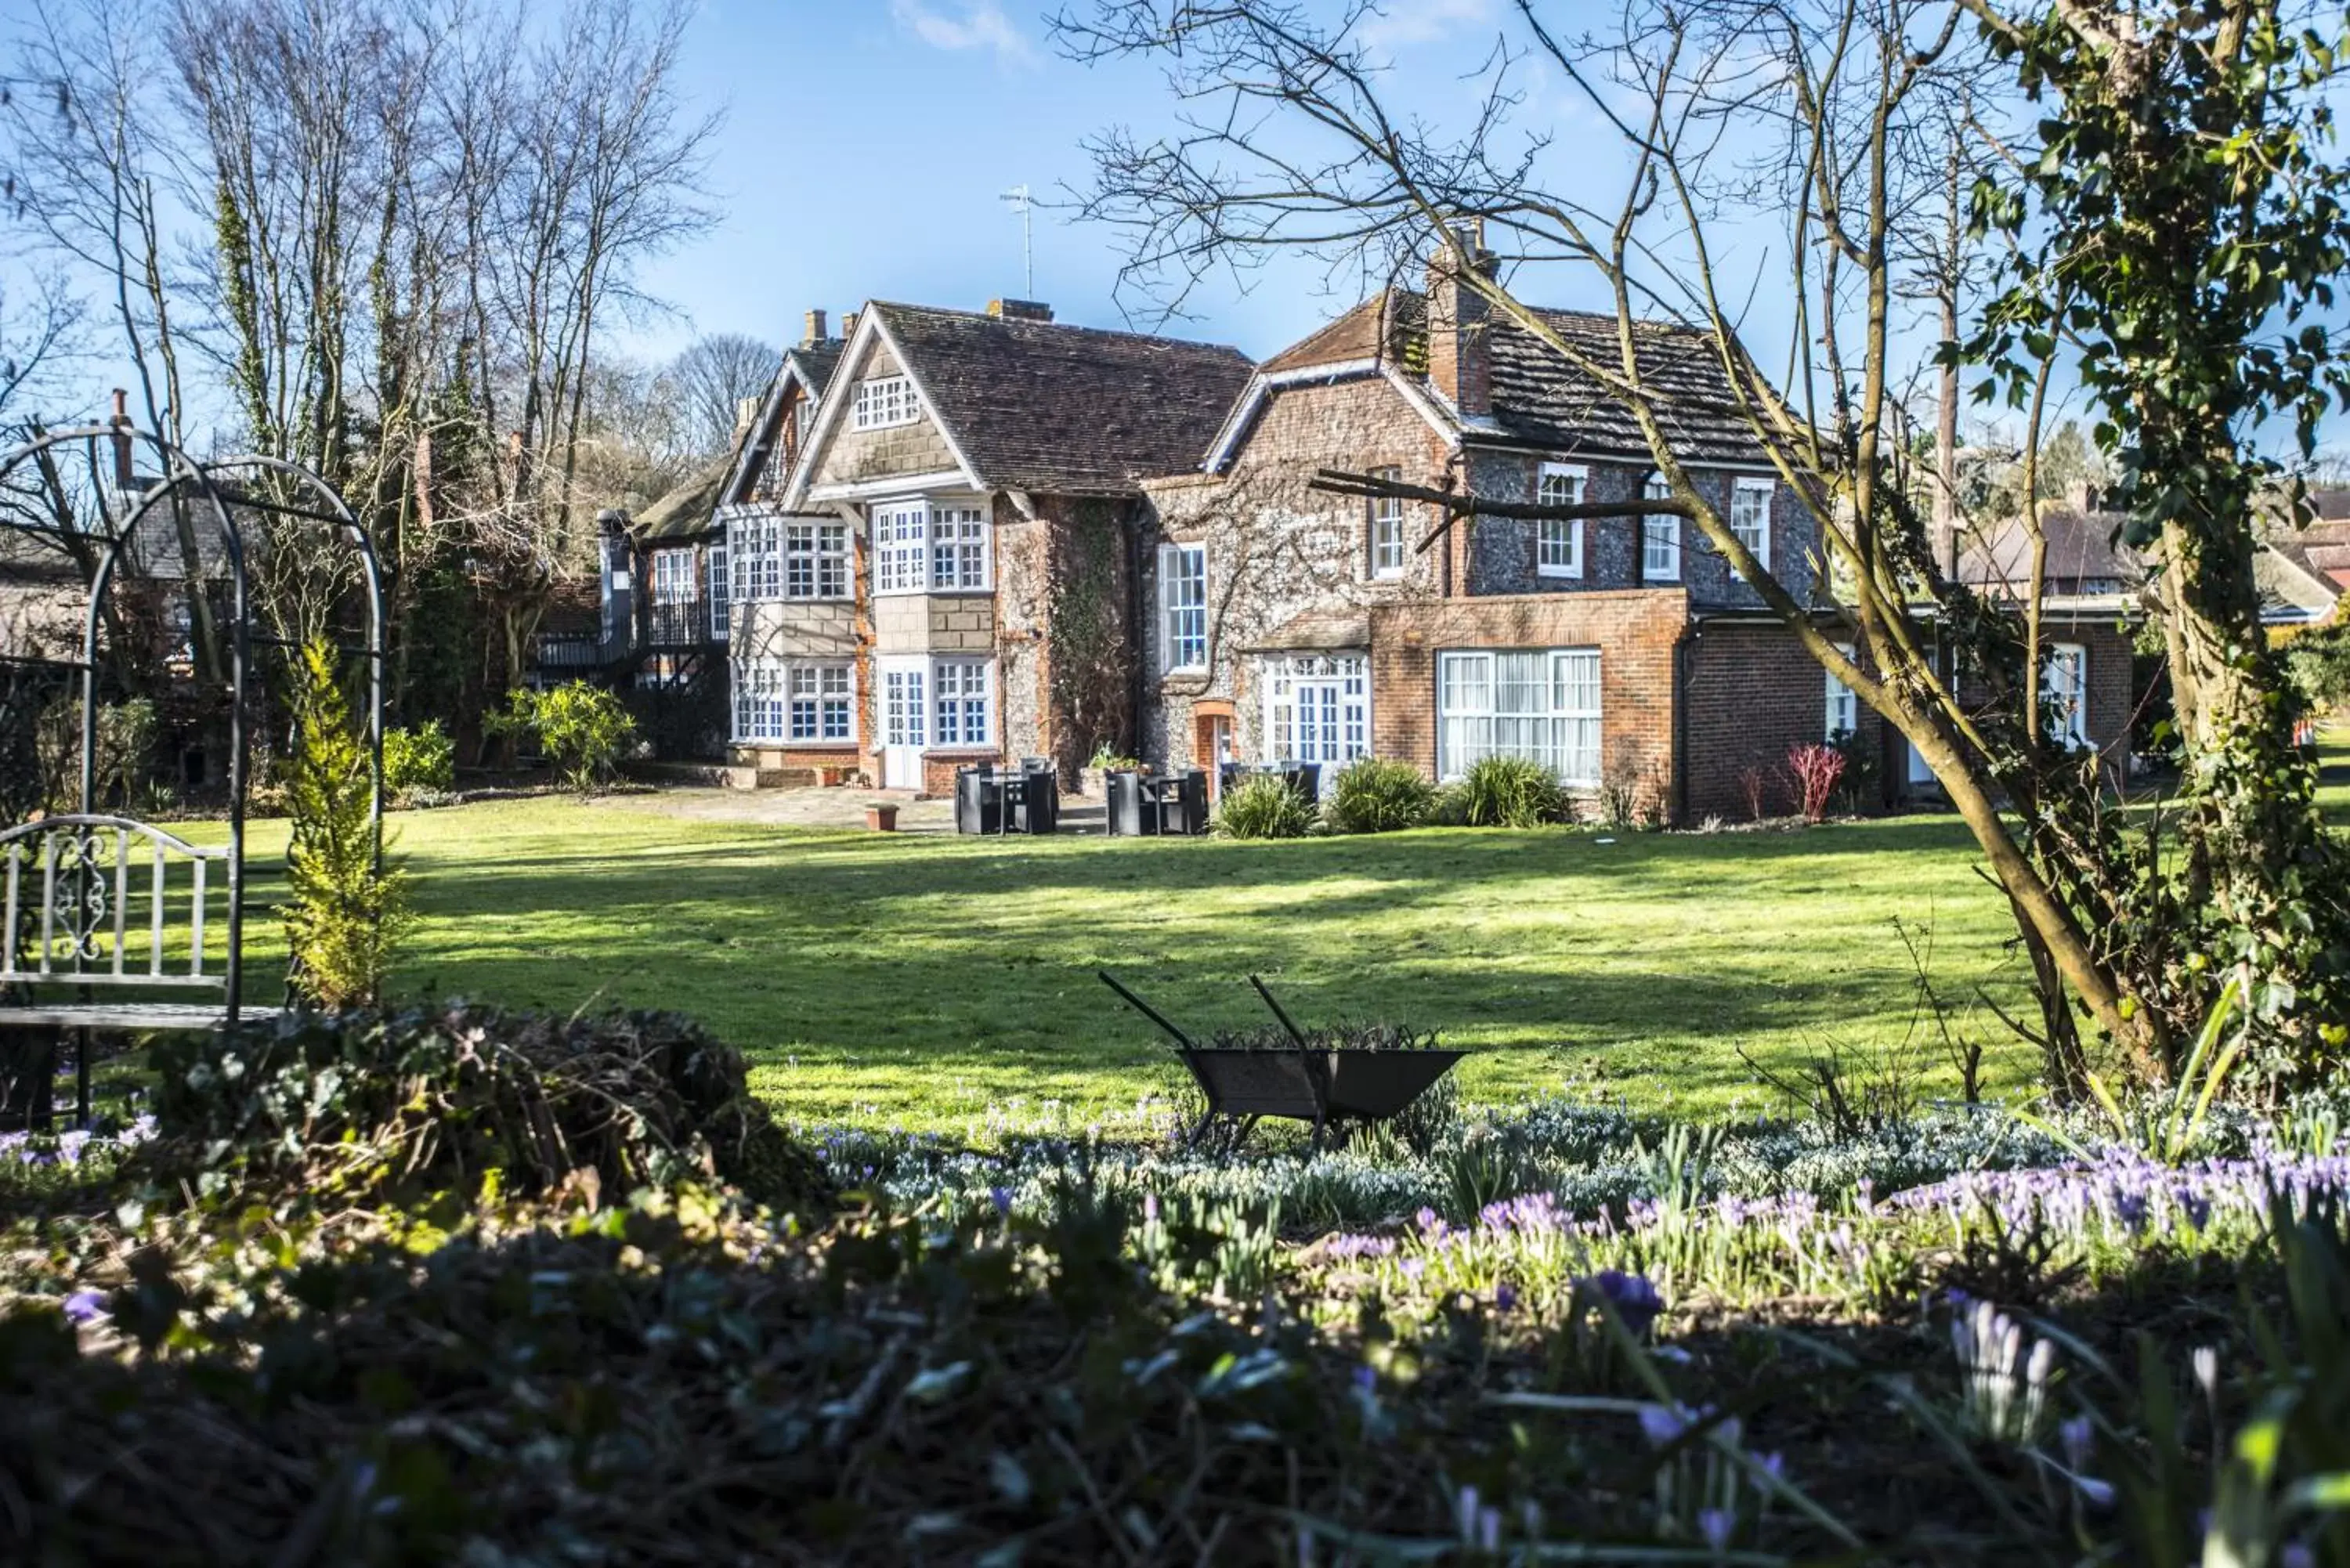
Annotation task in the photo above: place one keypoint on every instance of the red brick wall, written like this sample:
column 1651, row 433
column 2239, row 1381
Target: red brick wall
column 1754, row 693
column 1634, row 630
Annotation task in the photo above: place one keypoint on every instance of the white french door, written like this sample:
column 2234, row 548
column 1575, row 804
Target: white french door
column 1318, row 710
column 905, row 705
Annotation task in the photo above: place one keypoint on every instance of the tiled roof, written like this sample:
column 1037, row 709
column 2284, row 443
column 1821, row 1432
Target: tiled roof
column 1035, row 405
column 1540, row 399
column 2082, row 548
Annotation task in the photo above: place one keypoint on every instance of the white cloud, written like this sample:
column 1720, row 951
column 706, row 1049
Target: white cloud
column 1423, row 21
column 964, row 25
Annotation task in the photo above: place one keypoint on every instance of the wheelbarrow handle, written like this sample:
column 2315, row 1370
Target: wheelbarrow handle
column 1145, row 1009
column 1294, row 1033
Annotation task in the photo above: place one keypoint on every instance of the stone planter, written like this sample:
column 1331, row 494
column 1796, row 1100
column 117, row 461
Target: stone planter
column 883, row 818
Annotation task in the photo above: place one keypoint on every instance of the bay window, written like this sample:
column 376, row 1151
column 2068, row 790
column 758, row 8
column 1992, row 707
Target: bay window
column 929, row 546
column 755, row 547
column 795, row 702
column 1558, row 551
column 960, row 689
column 1542, row 704
column 1183, row 606
column 815, row 561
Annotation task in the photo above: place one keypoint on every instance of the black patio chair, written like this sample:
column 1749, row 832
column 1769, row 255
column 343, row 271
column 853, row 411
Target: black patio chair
column 1184, row 802
column 1036, row 807
column 1306, row 778
column 1128, row 807
column 978, row 801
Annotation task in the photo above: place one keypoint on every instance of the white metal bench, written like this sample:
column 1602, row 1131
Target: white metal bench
column 97, row 912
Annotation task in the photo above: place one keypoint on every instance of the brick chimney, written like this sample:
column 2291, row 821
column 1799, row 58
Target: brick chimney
column 813, row 333
column 1019, row 310
column 1460, row 362
column 848, row 324
column 120, row 421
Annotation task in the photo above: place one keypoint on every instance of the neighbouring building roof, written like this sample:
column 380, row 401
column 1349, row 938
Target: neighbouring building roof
column 1540, row 398
column 2085, row 554
column 684, row 512
column 1059, row 410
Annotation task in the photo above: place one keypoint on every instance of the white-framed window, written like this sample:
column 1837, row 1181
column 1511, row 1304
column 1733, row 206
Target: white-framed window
column 1183, row 606
column 795, row 702
column 1661, row 537
column 923, row 546
column 815, row 561
column 756, row 552
column 900, row 548
column 1390, row 550
column 960, row 690
column 1318, row 708
column 2064, row 693
column 1749, row 516
column 958, row 546
column 718, row 586
column 1538, row 703
column 885, row 400
column 1558, row 549
column 672, row 577
column 1842, row 702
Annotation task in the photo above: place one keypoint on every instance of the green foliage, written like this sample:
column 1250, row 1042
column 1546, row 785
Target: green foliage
column 2317, row 667
column 381, row 1106
column 2167, row 1128
column 1510, row 791
column 1264, row 806
column 1373, row 794
column 125, row 754
column 346, row 911
column 584, row 729
column 421, row 758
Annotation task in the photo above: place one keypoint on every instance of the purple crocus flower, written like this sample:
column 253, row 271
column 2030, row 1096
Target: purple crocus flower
column 1002, row 1197
column 1662, row 1424
column 1504, row 1298
column 1636, row 1301
column 1715, row 1524
column 85, row 1306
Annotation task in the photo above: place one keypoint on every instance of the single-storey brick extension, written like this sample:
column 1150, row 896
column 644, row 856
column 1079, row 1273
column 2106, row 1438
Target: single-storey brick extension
column 958, row 536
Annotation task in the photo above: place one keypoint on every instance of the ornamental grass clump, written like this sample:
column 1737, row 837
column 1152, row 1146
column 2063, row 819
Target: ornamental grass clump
column 375, row 1107
column 1264, row 807
column 1374, row 795
column 1511, row 792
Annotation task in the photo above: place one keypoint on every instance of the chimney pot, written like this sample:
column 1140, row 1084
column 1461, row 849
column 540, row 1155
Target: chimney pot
column 813, row 333
column 1020, row 311
column 849, row 323
column 122, row 407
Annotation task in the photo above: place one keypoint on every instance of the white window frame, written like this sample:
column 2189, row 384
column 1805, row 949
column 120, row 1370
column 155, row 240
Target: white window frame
column 815, row 561
column 1842, row 702
column 768, row 692
column 962, row 690
column 1558, row 542
column 673, row 577
column 1390, row 551
column 1660, row 535
column 719, row 585
column 1752, row 527
column 943, row 545
column 905, row 716
column 1338, row 687
column 1558, row 717
column 884, row 402
column 1183, row 608
column 2069, row 691
column 755, row 551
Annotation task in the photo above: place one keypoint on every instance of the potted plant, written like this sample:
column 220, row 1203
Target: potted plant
column 881, row 815
column 1096, row 777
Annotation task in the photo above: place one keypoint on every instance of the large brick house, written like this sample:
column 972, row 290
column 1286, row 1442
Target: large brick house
column 932, row 543
column 1623, row 653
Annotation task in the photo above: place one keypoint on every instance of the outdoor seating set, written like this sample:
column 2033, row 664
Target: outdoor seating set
column 989, row 799
column 1151, row 804
column 1306, row 778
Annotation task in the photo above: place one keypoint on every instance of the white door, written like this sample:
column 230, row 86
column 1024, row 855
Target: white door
column 904, row 697
column 1318, row 710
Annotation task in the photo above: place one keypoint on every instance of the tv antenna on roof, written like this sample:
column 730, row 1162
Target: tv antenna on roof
column 1023, row 204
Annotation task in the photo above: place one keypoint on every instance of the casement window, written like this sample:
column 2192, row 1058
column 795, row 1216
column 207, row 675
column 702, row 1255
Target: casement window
column 1558, row 549
column 930, row 548
column 2064, row 694
column 1749, row 516
column 1661, row 537
column 960, row 690
column 795, row 702
column 1183, row 606
column 1842, row 702
column 754, row 547
column 1542, row 704
column 957, row 548
column 815, row 561
column 718, row 592
column 672, row 577
column 1318, row 708
column 1389, row 551
column 885, row 400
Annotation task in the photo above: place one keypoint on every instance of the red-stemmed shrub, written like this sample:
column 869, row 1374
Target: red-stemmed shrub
column 1756, row 783
column 1816, row 769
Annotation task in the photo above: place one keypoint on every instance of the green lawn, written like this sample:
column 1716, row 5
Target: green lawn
column 922, row 980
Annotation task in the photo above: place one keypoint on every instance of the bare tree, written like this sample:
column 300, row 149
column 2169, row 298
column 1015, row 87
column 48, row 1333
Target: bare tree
column 709, row 381
column 1831, row 119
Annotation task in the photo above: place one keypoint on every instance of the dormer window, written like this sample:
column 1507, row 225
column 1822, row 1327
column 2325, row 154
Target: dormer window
column 883, row 401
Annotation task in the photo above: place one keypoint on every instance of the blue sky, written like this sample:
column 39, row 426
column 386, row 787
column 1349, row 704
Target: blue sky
column 867, row 144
